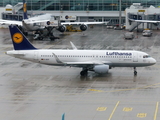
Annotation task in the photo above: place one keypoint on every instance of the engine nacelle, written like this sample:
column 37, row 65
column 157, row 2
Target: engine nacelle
column 101, row 69
column 62, row 28
column 83, row 27
column 48, row 22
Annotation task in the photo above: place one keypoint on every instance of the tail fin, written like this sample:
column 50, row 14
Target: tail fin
column 25, row 10
column 20, row 42
column 63, row 116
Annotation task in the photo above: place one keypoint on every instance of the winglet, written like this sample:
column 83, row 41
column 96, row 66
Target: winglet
column 63, row 116
column 73, row 46
column 20, row 42
column 25, row 16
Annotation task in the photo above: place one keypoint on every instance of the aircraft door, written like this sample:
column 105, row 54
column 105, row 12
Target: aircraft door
column 135, row 57
column 120, row 58
column 35, row 55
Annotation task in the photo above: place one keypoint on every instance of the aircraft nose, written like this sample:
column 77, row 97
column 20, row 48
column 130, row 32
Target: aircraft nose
column 154, row 61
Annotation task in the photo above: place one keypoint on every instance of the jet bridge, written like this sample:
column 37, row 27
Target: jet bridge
column 12, row 12
column 138, row 12
column 17, row 7
column 133, row 25
column 13, row 9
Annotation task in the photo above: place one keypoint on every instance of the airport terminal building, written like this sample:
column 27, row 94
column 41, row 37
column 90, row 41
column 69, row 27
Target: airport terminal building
column 84, row 10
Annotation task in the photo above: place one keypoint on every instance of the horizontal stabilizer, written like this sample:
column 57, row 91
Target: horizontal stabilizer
column 15, row 53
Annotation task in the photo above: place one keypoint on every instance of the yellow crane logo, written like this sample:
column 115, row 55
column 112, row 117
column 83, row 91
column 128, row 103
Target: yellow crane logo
column 17, row 38
column 24, row 7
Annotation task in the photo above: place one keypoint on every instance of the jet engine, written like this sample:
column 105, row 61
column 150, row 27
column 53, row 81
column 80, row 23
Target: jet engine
column 48, row 22
column 62, row 28
column 83, row 27
column 101, row 69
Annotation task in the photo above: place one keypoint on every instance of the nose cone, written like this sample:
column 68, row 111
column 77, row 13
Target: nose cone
column 153, row 61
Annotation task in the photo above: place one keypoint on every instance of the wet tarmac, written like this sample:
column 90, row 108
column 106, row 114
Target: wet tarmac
column 31, row 91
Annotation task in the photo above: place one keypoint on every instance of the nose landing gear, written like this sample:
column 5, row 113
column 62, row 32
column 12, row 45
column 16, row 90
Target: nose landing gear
column 135, row 71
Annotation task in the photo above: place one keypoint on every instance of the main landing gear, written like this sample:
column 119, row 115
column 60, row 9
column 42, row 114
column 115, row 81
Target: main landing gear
column 135, row 71
column 41, row 34
column 84, row 72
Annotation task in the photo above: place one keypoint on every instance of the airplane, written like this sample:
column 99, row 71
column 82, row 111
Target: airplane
column 99, row 61
column 44, row 24
column 39, row 24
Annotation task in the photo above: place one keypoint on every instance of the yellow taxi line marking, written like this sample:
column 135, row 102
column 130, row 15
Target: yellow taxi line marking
column 95, row 90
column 141, row 115
column 155, row 114
column 114, row 110
column 101, row 108
column 144, row 87
column 156, row 85
column 127, row 109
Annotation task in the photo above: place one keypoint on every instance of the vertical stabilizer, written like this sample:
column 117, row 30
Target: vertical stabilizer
column 20, row 42
column 25, row 10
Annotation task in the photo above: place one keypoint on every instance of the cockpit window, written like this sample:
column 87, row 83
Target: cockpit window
column 146, row 56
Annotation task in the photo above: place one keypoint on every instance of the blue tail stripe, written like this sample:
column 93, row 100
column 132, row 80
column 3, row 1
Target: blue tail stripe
column 20, row 42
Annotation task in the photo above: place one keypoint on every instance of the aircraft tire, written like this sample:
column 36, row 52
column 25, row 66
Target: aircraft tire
column 135, row 73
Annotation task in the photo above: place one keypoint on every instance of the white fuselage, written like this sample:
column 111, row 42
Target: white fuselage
column 31, row 24
column 113, row 58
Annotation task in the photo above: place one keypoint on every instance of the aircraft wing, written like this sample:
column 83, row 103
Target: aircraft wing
column 80, row 23
column 88, row 64
column 10, row 22
column 145, row 21
column 84, row 63
column 96, row 62
column 36, row 21
column 46, row 22
column 81, row 64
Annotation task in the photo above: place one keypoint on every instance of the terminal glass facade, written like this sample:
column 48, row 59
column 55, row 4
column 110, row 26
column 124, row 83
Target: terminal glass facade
column 80, row 5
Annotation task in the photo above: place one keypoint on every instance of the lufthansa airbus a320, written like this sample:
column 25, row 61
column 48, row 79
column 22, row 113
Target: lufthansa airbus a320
column 99, row 61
